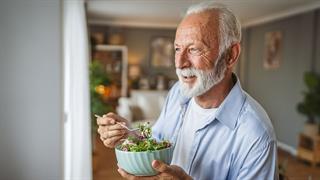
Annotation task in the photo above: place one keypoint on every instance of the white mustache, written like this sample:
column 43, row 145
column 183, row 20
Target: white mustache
column 187, row 72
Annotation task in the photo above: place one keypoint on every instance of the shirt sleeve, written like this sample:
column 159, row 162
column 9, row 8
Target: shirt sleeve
column 260, row 163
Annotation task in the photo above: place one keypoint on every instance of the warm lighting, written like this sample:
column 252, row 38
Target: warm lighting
column 134, row 58
column 104, row 91
column 100, row 89
column 134, row 71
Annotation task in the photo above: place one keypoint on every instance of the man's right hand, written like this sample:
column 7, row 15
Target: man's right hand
column 110, row 132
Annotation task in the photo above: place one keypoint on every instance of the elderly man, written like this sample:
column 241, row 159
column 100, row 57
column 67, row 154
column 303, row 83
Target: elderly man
column 218, row 130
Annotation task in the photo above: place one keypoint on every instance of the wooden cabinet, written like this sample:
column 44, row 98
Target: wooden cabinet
column 309, row 148
column 115, row 60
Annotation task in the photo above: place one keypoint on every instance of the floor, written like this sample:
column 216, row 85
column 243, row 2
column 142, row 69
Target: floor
column 105, row 165
column 297, row 169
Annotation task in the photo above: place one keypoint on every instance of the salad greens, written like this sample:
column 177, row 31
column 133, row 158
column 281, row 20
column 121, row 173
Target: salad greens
column 143, row 142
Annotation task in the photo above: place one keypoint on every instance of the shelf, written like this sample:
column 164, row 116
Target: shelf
column 309, row 148
column 115, row 60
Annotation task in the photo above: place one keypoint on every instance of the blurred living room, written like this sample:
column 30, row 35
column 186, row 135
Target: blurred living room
column 64, row 61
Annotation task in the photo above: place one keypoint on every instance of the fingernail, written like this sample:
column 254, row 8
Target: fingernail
column 155, row 163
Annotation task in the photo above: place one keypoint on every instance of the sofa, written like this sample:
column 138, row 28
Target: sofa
column 142, row 106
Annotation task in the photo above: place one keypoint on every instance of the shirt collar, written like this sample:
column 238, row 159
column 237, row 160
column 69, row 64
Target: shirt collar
column 231, row 106
column 229, row 110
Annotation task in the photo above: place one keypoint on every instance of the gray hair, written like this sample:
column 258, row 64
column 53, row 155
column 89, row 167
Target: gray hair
column 229, row 25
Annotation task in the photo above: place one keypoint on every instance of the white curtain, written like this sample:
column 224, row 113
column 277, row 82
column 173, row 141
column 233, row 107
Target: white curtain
column 77, row 140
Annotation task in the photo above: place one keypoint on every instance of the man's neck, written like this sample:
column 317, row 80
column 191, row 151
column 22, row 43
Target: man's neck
column 215, row 96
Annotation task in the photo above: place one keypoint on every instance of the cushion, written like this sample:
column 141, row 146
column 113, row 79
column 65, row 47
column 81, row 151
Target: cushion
column 136, row 112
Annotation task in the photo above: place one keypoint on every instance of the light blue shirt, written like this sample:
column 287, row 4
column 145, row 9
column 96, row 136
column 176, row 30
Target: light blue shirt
column 237, row 143
column 195, row 118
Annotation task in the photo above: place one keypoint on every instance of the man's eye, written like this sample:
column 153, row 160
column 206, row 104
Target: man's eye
column 177, row 49
column 194, row 50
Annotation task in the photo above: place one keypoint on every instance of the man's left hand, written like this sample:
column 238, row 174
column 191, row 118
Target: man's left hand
column 171, row 172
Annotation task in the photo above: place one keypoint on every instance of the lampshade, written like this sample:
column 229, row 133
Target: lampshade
column 134, row 71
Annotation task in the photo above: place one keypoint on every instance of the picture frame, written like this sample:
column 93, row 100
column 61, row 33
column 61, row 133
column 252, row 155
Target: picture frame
column 162, row 52
column 273, row 50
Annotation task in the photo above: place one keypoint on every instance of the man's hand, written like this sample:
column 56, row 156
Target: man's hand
column 171, row 172
column 110, row 132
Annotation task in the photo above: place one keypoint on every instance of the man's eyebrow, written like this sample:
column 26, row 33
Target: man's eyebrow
column 188, row 44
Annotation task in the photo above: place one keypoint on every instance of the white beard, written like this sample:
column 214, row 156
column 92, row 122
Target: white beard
column 205, row 80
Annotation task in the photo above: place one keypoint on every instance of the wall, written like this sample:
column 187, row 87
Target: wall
column 138, row 42
column 30, row 90
column 317, row 52
column 280, row 90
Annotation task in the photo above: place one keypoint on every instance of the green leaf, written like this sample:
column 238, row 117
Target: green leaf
column 310, row 106
column 311, row 80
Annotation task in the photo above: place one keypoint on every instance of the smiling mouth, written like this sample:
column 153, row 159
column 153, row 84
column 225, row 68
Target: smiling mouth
column 189, row 79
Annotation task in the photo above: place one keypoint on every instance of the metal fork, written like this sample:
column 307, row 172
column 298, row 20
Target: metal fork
column 129, row 129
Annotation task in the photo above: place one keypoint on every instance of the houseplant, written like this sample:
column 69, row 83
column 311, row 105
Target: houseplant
column 310, row 106
column 98, row 80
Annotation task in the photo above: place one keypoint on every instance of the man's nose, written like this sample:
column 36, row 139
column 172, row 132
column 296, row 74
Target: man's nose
column 182, row 60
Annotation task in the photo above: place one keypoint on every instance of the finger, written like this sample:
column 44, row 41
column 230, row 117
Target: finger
column 102, row 121
column 103, row 129
column 162, row 167
column 126, row 175
column 106, row 135
column 99, row 131
column 116, row 127
column 111, row 142
column 116, row 117
column 110, row 134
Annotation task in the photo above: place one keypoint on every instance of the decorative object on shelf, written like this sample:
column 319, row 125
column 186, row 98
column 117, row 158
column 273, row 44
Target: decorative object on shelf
column 98, row 37
column 273, row 50
column 309, row 148
column 144, row 83
column 116, row 36
column 162, row 52
column 310, row 106
column 99, row 82
column 161, row 82
column 134, row 76
column 115, row 60
column 116, row 39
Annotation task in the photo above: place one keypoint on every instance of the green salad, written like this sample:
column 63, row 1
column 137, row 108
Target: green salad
column 143, row 141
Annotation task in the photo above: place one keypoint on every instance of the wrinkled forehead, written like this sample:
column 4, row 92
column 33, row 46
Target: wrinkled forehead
column 202, row 26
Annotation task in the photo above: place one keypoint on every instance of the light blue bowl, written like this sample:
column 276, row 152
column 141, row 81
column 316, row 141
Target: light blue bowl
column 139, row 163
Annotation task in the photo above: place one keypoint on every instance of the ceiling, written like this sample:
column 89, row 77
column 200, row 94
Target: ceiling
column 167, row 13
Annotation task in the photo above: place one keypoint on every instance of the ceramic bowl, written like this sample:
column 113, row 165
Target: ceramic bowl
column 139, row 163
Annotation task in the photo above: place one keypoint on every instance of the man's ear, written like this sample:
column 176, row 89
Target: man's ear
column 233, row 55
